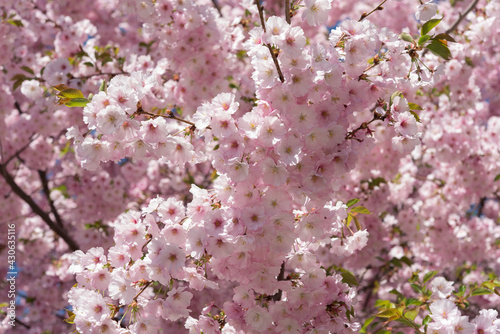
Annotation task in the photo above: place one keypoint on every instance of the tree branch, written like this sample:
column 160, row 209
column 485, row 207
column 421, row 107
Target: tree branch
column 6, row 162
column 281, row 277
column 46, row 191
column 461, row 16
column 287, row 11
column 365, row 15
column 36, row 209
column 455, row 25
column 216, row 5
column 275, row 60
column 169, row 114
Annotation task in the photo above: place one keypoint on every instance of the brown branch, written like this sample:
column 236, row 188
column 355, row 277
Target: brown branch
column 287, row 12
column 364, row 125
column 6, row 162
column 85, row 77
column 169, row 114
column 365, row 15
column 281, row 277
column 216, row 5
column 461, row 16
column 46, row 191
column 138, row 294
column 455, row 25
column 275, row 60
column 22, row 323
column 36, row 209
column 47, row 18
column 261, row 15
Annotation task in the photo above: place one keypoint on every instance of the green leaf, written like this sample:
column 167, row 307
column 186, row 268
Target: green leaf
column 383, row 303
column 428, row 26
column 397, row 293
column 423, row 39
column 461, row 291
column 413, row 301
column 406, row 322
column 396, row 262
column 16, row 23
column 17, row 84
column 60, row 87
column 361, row 209
column 62, row 188
column 416, row 288
column 426, row 320
column 489, row 285
column 497, row 177
column 78, row 102
column 481, row 291
column 70, row 93
column 104, row 87
column 366, row 324
column 389, row 313
column 414, row 277
column 349, row 278
column 353, row 201
column 349, row 219
column 439, row 49
column 412, row 314
column 356, row 221
column 414, row 106
column 18, row 77
column 393, row 96
column 415, row 115
column 407, row 37
column 27, row 69
column 429, row 275
column 71, row 317
column 444, row 37
column 406, row 260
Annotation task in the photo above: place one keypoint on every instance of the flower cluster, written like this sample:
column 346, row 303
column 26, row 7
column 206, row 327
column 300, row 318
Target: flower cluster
column 239, row 168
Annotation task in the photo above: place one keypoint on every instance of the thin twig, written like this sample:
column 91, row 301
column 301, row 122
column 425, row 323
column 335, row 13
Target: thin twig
column 216, row 5
column 18, row 107
column 365, row 15
column 145, row 287
column 36, row 209
column 6, row 162
column 261, row 15
column 364, row 125
column 169, row 114
column 461, row 16
column 275, row 60
column 85, row 77
column 22, row 323
column 46, row 190
column 47, row 18
column 287, row 12
column 455, row 25
column 281, row 277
